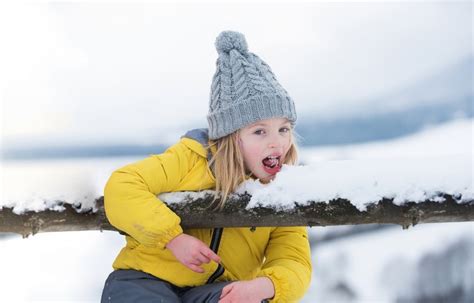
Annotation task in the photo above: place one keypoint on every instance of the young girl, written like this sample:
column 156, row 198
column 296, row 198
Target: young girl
column 251, row 119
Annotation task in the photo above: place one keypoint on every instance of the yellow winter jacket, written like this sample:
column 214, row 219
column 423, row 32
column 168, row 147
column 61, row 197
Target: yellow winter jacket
column 132, row 206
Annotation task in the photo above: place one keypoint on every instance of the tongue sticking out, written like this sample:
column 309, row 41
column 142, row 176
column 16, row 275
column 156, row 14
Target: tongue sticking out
column 271, row 166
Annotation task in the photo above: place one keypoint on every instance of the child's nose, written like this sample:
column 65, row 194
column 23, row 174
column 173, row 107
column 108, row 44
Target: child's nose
column 276, row 140
column 274, row 143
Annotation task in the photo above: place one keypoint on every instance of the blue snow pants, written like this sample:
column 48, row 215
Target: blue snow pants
column 127, row 285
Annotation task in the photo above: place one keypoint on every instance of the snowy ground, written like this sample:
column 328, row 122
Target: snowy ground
column 381, row 266
column 71, row 267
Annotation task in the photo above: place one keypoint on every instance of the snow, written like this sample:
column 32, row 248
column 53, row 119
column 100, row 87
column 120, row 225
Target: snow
column 362, row 261
column 180, row 197
column 366, row 181
column 38, row 185
column 72, row 266
column 57, row 266
column 360, row 181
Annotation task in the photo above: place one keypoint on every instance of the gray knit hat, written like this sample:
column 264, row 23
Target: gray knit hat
column 244, row 90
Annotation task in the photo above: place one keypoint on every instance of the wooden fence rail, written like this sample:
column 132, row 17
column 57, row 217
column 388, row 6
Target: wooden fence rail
column 198, row 214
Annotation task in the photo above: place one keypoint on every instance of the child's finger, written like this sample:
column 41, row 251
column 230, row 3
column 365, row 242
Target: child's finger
column 203, row 258
column 211, row 255
column 226, row 290
column 195, row 268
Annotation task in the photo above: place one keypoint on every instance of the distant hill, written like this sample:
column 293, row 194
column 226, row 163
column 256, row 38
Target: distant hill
column 437, row 99
column 83, row 151
column 380, row 126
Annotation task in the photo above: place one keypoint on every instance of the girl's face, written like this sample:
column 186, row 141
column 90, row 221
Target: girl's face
column 264, row 139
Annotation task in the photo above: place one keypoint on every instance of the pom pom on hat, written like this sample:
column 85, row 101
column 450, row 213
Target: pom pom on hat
column 229, row 40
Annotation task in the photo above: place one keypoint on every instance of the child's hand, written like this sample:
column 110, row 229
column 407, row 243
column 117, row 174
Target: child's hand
column 253, row 291
column 191, row 252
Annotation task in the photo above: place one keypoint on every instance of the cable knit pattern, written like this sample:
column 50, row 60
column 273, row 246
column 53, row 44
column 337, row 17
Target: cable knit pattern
column 244, row 89
column 220, row 89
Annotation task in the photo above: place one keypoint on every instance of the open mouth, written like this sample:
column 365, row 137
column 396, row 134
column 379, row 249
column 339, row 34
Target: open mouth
column 272, row 164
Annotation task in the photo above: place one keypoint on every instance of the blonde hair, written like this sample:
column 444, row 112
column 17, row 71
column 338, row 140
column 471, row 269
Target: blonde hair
column 229, row 167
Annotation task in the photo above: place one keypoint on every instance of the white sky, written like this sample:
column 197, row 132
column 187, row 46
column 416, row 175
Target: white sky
column 93, row 73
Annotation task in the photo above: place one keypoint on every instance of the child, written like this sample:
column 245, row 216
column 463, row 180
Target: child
column 251, row 119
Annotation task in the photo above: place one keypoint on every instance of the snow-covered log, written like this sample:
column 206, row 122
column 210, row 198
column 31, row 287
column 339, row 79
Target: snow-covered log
column 198, row 213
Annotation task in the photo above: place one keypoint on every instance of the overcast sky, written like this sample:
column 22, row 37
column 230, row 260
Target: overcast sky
column 142, row 72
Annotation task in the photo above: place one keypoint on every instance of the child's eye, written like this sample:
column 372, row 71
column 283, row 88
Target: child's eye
column 258, row 132
column 285, row 129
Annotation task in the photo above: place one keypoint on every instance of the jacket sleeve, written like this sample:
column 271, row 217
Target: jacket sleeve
column 288, row 263
column 130, row 200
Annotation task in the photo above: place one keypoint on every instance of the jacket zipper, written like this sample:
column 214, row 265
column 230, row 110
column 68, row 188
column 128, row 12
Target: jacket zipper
column 216, row 240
